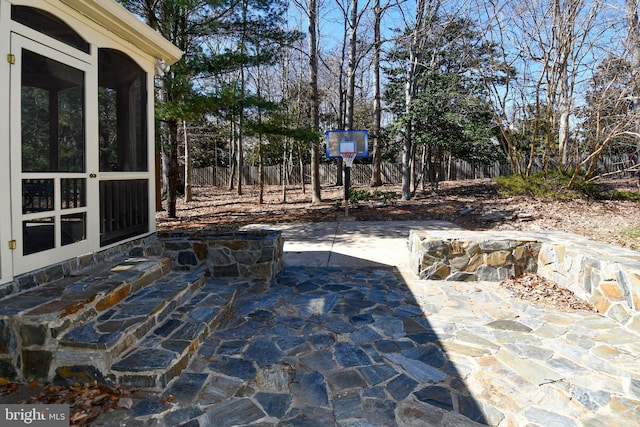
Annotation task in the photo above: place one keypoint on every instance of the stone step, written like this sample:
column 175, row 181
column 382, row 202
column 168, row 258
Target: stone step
column 85, row 294
column 98, row 342
column 167, row 349
column 33, row 321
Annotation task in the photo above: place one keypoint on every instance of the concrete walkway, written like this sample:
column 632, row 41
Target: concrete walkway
column 346, row 336
column 349, row 244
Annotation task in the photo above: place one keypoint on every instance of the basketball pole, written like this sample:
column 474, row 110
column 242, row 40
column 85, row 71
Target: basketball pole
column 347, row 184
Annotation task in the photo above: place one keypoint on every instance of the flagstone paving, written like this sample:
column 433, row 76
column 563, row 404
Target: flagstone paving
column 325, row 346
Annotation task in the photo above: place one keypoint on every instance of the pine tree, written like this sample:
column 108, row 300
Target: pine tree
column 220, row 39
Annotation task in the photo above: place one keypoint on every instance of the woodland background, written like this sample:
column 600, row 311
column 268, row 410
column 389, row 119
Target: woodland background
column 520, row 82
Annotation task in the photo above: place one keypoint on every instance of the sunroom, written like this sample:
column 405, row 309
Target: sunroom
column 77, row 145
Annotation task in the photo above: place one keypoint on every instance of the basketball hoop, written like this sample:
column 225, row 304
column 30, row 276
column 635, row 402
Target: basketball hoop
column 347, row 144
column 348, row 157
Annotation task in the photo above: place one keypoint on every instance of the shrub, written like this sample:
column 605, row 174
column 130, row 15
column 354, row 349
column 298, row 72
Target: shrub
column 554, row 186
column 356, row 195
column 365, row 195
column 624, row 195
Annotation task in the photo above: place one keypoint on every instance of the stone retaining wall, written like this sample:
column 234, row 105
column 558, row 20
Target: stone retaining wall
column 247, row 254
column 255, row 253
column 605, row 275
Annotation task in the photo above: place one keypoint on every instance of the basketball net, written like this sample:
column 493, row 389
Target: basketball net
column 348, row 157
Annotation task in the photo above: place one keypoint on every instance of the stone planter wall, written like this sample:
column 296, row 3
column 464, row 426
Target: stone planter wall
column 605, row 275
column 255, row 253
column 248, row 254
column 470, row 257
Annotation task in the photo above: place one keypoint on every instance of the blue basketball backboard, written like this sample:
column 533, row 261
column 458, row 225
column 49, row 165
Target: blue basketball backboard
column 347, row 140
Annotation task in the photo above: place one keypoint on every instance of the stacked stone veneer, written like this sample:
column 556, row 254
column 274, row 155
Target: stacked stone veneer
column 29, row 342
column 255, row 253
column 605, row 275
column 247, row 254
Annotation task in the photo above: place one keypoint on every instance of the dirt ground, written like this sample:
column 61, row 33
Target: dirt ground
column 472, row 204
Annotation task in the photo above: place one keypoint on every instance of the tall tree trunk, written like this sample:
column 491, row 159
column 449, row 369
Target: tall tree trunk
column 342, row 96
column 565, row 19
column 351, row 70
column 232, row 155
column 564, row 105
column 312, row 13
column 286, row 60
column 260, row 148
column 165, row 152
column 302, row 177
column 376, row 174
column 187, row 164
column 260, row 170
column 633, row 41
column 240, row 153
column 409, row 89
column 284, row 174
column 351, row 87
column 165, row 140
column 171, row 148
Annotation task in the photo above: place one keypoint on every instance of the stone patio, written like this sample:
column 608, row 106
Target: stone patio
column 358, row 343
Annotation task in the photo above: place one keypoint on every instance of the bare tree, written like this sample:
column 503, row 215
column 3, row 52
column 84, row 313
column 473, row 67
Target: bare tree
column 311, row 11
column 353, row 19
column 342, row 93
column 286, row 60
column 501, row 90
column 354, row 59
column 609, row 118
column 353, row 51
column 240, row 133
column 633, row 44
column 547, row 51
column 574, row 25
column 376, row 176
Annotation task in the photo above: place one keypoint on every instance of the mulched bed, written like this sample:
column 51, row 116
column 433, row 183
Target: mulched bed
column 539, row 289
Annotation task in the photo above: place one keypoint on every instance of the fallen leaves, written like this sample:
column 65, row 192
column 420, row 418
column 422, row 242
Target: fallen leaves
column 7, row 387
column 539, row 289
column 468, row 203
column 86, row 401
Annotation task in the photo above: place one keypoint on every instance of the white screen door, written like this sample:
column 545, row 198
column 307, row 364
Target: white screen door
column 50, row 186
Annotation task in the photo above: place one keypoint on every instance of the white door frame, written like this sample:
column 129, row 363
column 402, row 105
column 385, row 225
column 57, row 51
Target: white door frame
column 6, row 256
column 68, row 56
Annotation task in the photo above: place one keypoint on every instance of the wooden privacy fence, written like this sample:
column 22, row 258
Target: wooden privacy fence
column 273, row 175
column 361, row 173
